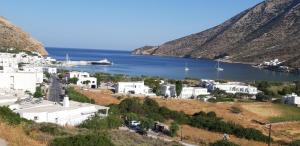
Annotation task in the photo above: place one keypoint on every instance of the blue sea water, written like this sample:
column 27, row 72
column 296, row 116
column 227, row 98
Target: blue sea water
column 167, row 67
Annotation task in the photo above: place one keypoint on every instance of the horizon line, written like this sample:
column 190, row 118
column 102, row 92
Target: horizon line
column 125, row 50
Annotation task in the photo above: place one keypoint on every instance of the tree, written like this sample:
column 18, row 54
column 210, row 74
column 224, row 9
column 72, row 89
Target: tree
column 178, row 87
column 173, row 129
column 131, row 105
column 153, row 83
column 147, row 123
column 38, row 92
column 73, row 80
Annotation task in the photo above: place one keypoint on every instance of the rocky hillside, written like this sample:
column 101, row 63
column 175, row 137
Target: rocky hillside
column 269, row 30
column 13, row 37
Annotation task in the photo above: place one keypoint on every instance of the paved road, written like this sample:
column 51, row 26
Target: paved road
column 55, row 89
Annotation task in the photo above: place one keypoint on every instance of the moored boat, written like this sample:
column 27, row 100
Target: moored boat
column 102, row 62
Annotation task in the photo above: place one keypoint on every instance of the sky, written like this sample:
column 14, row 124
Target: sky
column 117, row 24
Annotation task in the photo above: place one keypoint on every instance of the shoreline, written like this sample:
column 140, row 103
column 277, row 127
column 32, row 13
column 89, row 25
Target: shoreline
column 293, row 71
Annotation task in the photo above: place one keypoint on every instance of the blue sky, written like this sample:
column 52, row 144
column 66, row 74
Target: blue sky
column 117, row 24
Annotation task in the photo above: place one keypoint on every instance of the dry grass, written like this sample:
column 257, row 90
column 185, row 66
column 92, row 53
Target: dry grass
column 287, row 130
column 266, row 110
column 15, row 136
column 221, row 109
column 126, row 138
column 203, row 137
column 250, row 111
column 101, row 96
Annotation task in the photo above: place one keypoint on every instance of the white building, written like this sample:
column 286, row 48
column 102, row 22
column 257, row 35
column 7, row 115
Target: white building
column 83, row 77
column 190, row 92
column 133, row 88
column 8, row 64
column 292, row 99
column 168, row 90
column 69, row 113
column 274, row 62
column 38, row 71
column 231, row 87
column 50, row 70
column 18, row 81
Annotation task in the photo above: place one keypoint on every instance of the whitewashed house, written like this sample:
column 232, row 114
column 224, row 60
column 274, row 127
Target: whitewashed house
column 133, row 88
column 168, row 90
column 192, row 92
column 50, row 70
column 65, row 113
column 231, row 87
column 7, row 63
column 83, row 77
column 38, row 71
column 292, row 99
column 25, row 81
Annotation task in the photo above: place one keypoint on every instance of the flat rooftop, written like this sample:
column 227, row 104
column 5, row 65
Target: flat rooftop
column 49, row 106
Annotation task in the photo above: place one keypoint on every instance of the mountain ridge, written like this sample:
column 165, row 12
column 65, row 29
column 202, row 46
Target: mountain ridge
column 14, row 37
column 268, row 30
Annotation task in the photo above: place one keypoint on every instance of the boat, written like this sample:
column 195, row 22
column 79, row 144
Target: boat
column 218, row 67
column 186, row 68
column 102, row 62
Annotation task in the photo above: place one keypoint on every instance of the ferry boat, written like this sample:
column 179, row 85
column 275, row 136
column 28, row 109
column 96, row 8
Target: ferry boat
column 102, row 62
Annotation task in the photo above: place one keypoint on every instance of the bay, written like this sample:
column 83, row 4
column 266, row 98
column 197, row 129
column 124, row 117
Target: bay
column 168, row 67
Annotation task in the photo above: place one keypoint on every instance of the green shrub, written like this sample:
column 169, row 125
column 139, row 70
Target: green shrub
column 98, row 123
column 52, row 129
column 131, row 105
column 294, row 143
column 213, row 123
column 10, row 117
column 38, row 92
column 173, row 129
column 93, row 139
column 73, row 80
column 76, row 96
column 235, row 110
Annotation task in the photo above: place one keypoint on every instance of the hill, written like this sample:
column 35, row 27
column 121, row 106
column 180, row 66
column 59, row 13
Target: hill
column 14, row 37
column 269, row 30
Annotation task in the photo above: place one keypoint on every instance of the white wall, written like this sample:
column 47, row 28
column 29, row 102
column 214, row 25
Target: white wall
column 62, row 117
column 168, row 90
column 136, row 87
column 189, row 92
column 18, row 81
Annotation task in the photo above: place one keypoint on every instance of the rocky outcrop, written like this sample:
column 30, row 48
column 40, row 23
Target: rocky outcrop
column 269, row 30
column 14, row 37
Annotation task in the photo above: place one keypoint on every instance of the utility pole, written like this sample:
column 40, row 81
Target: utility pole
column 181, row 133
column 270, row 128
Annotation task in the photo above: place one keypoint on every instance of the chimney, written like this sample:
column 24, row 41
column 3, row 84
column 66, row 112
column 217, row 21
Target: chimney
column 66, row 102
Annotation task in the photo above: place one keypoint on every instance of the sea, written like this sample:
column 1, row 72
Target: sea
column 167, row 67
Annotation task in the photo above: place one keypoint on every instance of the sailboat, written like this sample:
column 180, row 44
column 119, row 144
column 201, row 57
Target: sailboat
column 218, row 66
column 67, row 63
column 186, row 68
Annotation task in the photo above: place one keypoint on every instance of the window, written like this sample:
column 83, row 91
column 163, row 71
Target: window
column 35, row 118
